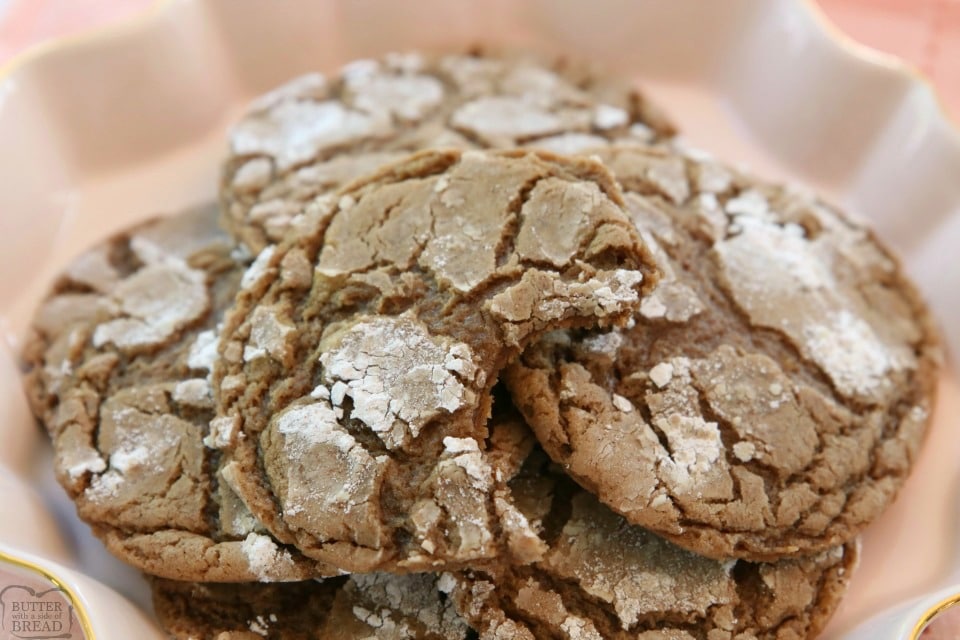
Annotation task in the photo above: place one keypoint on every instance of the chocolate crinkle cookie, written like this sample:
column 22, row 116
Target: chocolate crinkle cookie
column 362, row 606
column 356, row 365
column 602, row 578
column 772, row 392
column 317, row 133
column 119, row 360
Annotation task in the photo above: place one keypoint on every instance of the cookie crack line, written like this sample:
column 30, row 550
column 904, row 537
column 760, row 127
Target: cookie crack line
column 505, row 248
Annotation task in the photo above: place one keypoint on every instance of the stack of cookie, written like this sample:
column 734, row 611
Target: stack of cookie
column 471, row 348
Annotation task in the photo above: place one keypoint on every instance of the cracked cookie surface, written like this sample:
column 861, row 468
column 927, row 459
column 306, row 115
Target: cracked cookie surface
column 120, row 356
column 317, row 133
column 603, row 578
column 773, row 391
column 376, row 606
column 356, row 368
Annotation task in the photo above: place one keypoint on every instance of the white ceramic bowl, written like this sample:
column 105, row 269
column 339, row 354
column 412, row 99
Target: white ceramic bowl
column 103, row 130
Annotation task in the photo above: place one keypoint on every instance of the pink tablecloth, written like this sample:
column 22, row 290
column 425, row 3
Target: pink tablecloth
column 926, row 33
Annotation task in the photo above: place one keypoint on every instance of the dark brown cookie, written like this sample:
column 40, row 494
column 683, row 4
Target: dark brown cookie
column 362, row 607
column 119, row 362
column 602, row 578
column 357, row 363
column 775, row 386
column 316, row 133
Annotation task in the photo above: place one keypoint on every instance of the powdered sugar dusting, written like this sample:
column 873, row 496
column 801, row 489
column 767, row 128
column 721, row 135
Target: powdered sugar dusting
column 607, row 343
column 309, row 85
column 259, row 626
column 156, row 302
column 398, row 375
column 258, row 268
column 269, row 332
column 223, row 431
column 694, row 462
column 468, row 457
column 403, row 606
column 749, row 203
column 607, row 116
column 605, row 294
column 408, row 97
column 744, row 451
column 672, row 298
column 195, row 392
column 138, row 442
column 505, row 117
column 849, row 351
column 767, row 257
column 661, row 374
column 104, row 487
column 622, row 403
column 767, row 265
column 267, row 561
column 296, row 131
column 330, row 478
column 252, row 175
column 569, row 143
column 578, row 628
column 696, row 448
column 81, row 460
column 315, row 423
column 203, row 351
